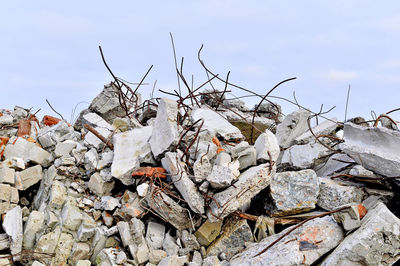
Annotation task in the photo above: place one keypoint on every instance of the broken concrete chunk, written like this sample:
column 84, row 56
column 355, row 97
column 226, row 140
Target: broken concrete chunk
column 247, row 157
column 335, row 164
column 142, row 189
column 236, row 232
column 211, row 261
column 4, row 241
column 267, row 147
column 333, row 195
column 83, row 263
column 131, row 206
column 87, row 228
column 14, row 163
column 130, row 149
column 376, row 149
column 58, row 194
column 304, row 156
column 109, row 203
column 350, row 218
column 215, row 124
column 98, row 186
column 358, row 170
column 124, row 232
column 7, row 175
column 12, row 225
column 33, row 227
column 6, row 119
column 172, row 163
column 376, row 242
column 30, row 176
column 106, row 159
column 91, row 159
column 28, row 151
column 168, row 209
column 63, row 249
column 71, row 217
column 220, row 177
column 107, row 103
column 156, row 255
column 80, row 251
column 173, row 261
column 47, row 243
column 327, row 127
column 208, row 231
column 202, row 168
column 155, row 235
column 189, row 240
column 165, row 129
column 294, row 192
column 63, row 149
column 303, row 246
column 249, row 184
column 291, row 127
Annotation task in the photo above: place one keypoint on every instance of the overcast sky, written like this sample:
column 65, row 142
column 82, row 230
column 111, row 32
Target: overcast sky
column 49, row 49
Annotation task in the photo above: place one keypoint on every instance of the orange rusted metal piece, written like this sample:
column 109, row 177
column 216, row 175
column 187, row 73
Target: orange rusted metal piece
column 150, row 172
column 24, row 127
column 362, row 211
column 49, row 120
column 216, row 142
column 3, row 142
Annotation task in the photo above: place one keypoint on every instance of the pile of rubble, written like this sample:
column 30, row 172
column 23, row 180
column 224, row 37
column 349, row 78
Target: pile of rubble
column 175, row 184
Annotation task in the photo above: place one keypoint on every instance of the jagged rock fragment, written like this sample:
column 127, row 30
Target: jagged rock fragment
column 172, row 163
column 294, row 192
column 303, row 246
column 28, row 151
column 130, row 149
column 267, row 145
column 236, row 232
column 304, row 156
column 207, row 232
column 167, row 208
column 215, row 124
column 333, row 194
column 12, row 225
column 291, row 127
column 165, row 129
column 155, row 235
column 376, row 149
column 376, row 242
column 249, row 184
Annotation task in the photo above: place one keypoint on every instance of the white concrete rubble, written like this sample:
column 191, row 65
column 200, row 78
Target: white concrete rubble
column 291, row 127
column 155, row 235
column 165, row 129
column 304, row 156
column 30, row 176
column 12, row 225
column 28, row 151
column 249, row 184
column 294, row 192
column 376, row 242
column 130, row 149
column 327, row 127
column 333, row 194
column 267, row 145
column 220, row 177
column 303, row 246
column 215, row 124
column 376, row 149
column 167, row 208
column 172, row 163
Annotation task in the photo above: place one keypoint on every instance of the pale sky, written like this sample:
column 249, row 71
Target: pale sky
column 49, row 49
